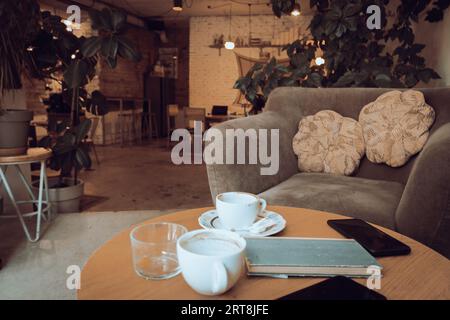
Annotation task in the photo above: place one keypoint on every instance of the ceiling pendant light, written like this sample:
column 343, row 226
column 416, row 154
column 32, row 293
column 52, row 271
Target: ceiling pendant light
column 177, row 5
column 229, row 44
column 296, row 10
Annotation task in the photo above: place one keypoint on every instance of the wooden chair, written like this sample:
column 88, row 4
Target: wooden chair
column 191, row 115
column 172, row 114
column 194, row 114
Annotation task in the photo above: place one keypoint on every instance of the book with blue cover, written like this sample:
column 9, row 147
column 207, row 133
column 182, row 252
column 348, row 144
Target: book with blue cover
column 317, row 257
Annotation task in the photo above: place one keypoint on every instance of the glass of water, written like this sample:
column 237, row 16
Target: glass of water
column 154, row 250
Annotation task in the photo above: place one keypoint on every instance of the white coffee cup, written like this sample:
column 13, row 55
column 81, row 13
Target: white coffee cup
column 211, row 261
column 238, row 210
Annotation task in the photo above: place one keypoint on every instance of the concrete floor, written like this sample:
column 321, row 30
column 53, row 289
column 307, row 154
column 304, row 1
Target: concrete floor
column 139, row 178
column 39, row 270
column 143, row 178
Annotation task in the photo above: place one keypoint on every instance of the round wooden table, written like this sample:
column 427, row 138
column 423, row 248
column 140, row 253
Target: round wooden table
column 108, row 274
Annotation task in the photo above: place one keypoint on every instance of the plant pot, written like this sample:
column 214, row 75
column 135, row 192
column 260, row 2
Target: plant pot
column 14, row 129
column 63, row 199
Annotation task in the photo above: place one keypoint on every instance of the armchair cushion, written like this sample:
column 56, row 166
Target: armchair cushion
column 328, row 142
column 396, row 126
column 371, row 200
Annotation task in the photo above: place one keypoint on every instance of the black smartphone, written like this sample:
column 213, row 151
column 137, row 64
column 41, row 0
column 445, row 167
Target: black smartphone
column 336, row 288
column 378, row 243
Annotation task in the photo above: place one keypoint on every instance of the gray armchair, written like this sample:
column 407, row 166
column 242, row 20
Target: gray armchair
column 413, row 200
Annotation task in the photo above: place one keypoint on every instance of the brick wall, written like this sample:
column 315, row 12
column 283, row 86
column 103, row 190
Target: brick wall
column 177, row 32
column 126, row 80
column 213, row 76
column 123, row 81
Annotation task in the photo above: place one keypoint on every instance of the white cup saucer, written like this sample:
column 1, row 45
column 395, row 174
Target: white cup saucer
column 210, row 220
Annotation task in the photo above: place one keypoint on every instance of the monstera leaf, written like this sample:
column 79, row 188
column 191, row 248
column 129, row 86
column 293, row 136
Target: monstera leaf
column 83, row 160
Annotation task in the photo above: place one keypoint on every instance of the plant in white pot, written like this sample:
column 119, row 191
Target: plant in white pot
column 77, row 65
column 19, row 22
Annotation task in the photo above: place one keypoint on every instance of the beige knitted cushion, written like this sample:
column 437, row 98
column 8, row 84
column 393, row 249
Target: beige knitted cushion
column 328, row 142
column 396, row 126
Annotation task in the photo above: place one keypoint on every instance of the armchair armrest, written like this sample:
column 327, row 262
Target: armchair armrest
column 249, row 177
column 424, row 209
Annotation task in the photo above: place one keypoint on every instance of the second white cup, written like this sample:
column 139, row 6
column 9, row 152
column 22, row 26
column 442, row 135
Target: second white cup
column 238, row 210
column 211, row 261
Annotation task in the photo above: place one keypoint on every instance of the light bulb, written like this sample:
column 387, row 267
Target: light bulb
column 320, row 61
column 177, row 5
column 73, row 56
column 229, row 45
column 296, row 10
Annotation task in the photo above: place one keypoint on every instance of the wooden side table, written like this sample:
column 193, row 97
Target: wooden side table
column 33, row 155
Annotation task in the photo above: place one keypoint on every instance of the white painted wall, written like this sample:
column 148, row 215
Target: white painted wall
column 211, row 77
column 436, row 36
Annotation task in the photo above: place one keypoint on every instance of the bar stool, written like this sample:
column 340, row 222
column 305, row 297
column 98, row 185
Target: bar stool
column 128, row 128
column 33, row 155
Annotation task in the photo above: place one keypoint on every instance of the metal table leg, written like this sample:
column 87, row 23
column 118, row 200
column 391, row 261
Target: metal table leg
column 43, row 183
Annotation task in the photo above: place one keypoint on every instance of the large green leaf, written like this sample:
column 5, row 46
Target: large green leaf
column 82, row 157
column 345, row 80
column 91, row 46
column 352, row 9
column 382, row 80
column 106, row 18
column 76, row 74
column 127, row 50
column 109, row 47
column 427, row 74
column 96, row 21
column 82, row 130
column 112, row 62
column 118, row 20
column 280, row 7
column 314, row 80
column 64, row 144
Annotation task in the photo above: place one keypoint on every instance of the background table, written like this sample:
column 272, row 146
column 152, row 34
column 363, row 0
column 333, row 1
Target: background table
column 424, row 274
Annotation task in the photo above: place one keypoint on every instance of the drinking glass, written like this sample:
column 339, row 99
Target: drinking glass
column 154, row 250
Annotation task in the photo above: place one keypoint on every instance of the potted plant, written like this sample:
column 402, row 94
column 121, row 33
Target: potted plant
column 343, row 52
column 70, row 153
column 259, row 81
column 19, row 22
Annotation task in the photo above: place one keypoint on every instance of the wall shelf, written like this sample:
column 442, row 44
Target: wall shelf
column 259, row 46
